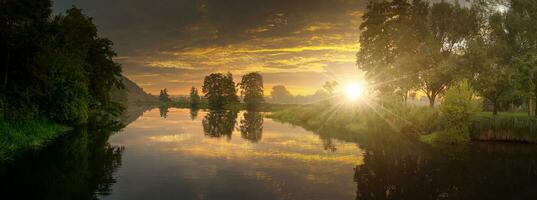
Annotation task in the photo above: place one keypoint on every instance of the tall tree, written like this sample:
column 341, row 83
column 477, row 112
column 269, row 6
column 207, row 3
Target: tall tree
column 413, row 45
column 489, row 55
column 164, row 96
column 78, row 34
column 521, row 17
column 219, row 89
column 251, row 87
column 194, row 97
column 23, row 81
column 57, row 68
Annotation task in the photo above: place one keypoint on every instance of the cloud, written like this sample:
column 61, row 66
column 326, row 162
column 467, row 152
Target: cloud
column 183, row 40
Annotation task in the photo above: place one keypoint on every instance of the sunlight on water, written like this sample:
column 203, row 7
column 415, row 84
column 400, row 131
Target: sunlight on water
column 280, row 160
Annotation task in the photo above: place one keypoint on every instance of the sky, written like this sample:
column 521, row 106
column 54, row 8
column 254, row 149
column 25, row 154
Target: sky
column 174, row 44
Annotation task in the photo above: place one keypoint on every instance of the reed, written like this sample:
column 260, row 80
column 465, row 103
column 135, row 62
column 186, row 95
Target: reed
column 19, row 137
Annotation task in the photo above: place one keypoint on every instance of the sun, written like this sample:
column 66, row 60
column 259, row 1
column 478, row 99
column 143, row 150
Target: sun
column 354, row 91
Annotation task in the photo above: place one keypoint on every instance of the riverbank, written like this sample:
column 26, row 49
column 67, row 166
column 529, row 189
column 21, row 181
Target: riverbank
column 423, row 122
column 505, row 127
column 18, row 138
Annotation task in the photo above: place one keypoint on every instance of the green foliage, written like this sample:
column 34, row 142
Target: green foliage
column 219, row 89
column 67, row 102
column 59, row 69
column 251, row 87
column 77, row 35
column 20, row 137
column 517, row 127
column 457, row 109
column 412, row 45
column 488, row 55
column 421, row 120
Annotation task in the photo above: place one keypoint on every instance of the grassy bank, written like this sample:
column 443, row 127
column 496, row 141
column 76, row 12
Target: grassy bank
column 515, row 127
column 20, row 137
column 324, row 116
column 424, row 122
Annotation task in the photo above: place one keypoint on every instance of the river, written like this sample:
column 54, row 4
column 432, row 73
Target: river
column 195, row 154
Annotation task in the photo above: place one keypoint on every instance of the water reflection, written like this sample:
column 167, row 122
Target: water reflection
column 479, row 171
column 194, row 113
column 219, row 123
column 251, row 126
column 178, row 158
column 78, row 166
column 173, row 158
column 163, row 111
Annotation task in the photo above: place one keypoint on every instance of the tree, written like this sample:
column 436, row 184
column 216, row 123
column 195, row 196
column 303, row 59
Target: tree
column 219, row 89
column 280, row 94
column 77, row 34
column 164, row 97
column 194, row 97
column 24, row 25
column 251, row 87
column 59, row 69
column 413, row 46
column 489, row 55
column 521, row 26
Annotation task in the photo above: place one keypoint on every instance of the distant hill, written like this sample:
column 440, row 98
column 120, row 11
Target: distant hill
column 131, row 94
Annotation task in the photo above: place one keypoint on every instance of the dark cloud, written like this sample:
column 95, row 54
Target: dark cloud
column 182, row 40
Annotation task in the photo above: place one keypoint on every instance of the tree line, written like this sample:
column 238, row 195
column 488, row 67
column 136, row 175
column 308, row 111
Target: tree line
column 54, row 67
column 416, row 45
column 220, row 91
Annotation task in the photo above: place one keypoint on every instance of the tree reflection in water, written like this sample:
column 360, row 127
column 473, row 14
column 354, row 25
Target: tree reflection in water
column 80, row 165
column 163, row 111
column 194, row 113
column 251, row 127
column 219, row 123
column 476, row 171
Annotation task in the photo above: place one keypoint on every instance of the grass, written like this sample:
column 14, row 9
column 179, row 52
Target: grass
column 19, row 137
column 323, row 116
column 506, row 126
column 424, row 122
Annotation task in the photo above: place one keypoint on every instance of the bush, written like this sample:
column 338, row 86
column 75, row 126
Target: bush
column 456, row 111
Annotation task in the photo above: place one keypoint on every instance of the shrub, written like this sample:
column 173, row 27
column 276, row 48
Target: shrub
column 456, row 111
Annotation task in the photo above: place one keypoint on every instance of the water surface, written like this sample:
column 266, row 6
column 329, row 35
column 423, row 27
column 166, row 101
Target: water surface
column 193, row 154
column 227, row 155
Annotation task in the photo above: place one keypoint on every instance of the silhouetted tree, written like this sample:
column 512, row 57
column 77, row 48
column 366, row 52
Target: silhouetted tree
column 164, row 96
column 219, row 89
column 252, row 89
column 59, row 69
column 194, row 97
